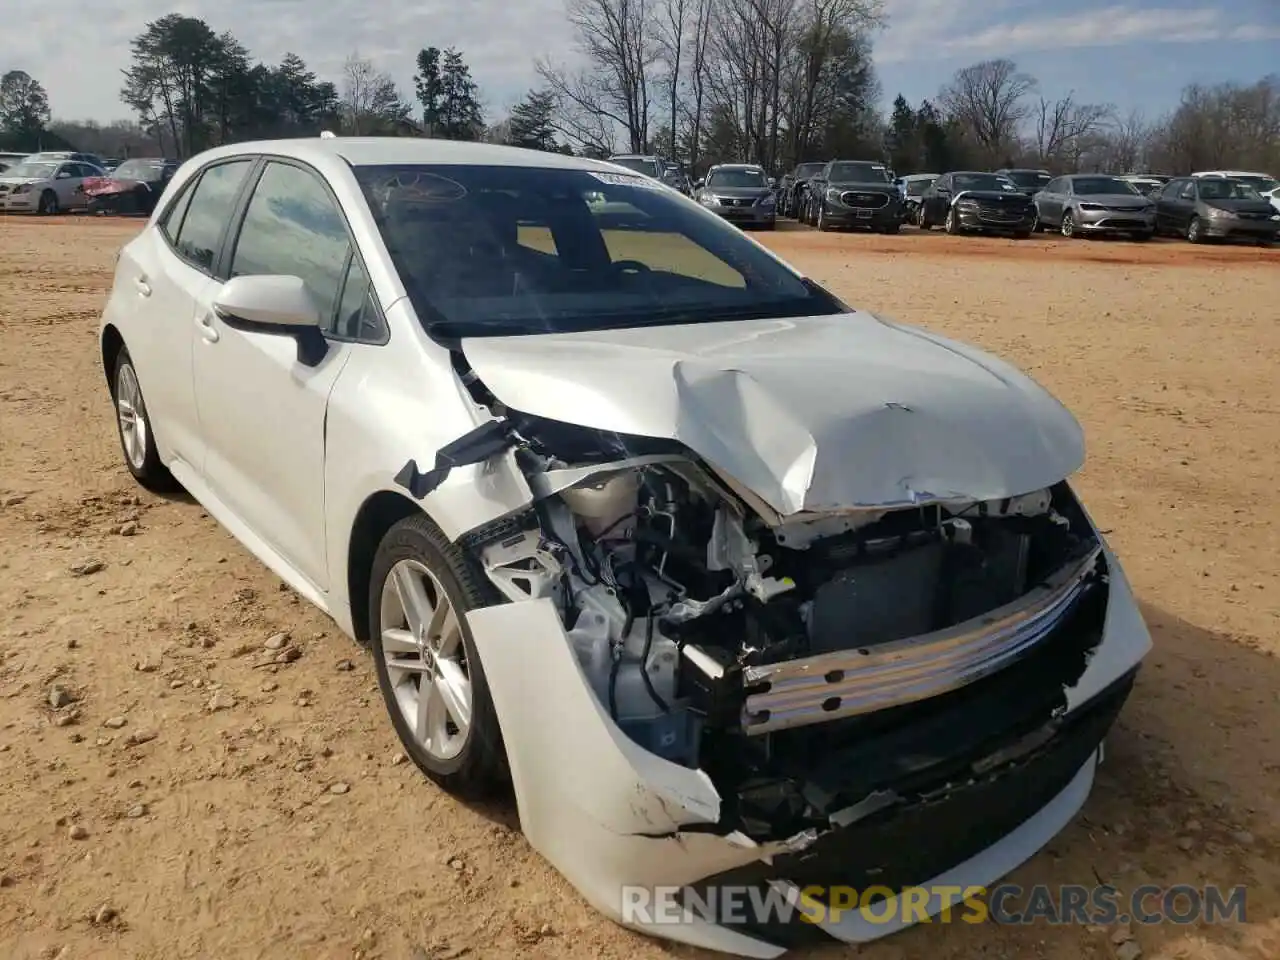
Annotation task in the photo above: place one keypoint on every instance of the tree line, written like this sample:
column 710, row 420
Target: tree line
column 774, row 82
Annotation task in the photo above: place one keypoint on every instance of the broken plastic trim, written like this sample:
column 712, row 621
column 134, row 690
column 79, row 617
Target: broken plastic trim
column 818, row 689
column 476, row 446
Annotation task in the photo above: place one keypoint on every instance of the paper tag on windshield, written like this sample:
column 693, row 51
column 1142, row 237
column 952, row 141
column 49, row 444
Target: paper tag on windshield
column 624, row 180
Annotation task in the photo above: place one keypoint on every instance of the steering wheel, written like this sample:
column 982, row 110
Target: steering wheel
column 631, row 266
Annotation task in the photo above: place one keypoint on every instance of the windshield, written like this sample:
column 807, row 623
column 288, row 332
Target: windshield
column 36, row 171
column 139, row 170
column 853, row 172
column 639, row 164
column 1260, row 184
column 1029, row 178
column 1096, row 186
column 736, row 178
column 498, row 250
column 984, row 181
column 916, row 188
column 1214, row 189
column 807, row 170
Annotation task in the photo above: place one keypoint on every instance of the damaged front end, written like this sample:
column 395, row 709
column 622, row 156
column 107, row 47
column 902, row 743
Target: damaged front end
column 694, row 689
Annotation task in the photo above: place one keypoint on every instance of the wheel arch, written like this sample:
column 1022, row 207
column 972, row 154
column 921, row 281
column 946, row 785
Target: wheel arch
column 112, row 345
column 379, row 513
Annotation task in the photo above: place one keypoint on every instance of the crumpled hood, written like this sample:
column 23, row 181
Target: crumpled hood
column 811, row 414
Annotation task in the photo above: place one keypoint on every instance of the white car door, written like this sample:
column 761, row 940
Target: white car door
column 262, row 409
column 66, row 183
column 160, row 278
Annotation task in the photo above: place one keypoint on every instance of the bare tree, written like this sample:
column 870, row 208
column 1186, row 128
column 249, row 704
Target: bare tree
column 702, row 17
column 370, row 102
column 989, row 102
column 617, row 39
column 1128, row 142
column 672, row 25
column 1064, row 128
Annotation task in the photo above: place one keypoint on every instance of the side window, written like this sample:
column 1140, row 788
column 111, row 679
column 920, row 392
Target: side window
column 1171, row 190
column 357, row 316
column 211, row 200
column 171, row 223
column 292, row 227
column 1188, row 190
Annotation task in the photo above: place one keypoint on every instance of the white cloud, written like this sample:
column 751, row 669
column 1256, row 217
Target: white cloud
column 927, row 29
column 78, row 51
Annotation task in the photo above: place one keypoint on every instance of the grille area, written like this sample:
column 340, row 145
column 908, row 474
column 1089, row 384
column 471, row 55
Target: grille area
column 872, row 201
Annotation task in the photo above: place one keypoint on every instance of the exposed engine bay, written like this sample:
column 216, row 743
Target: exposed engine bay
column 767, row 654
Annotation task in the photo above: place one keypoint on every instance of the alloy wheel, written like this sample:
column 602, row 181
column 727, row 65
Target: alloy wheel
column 132, row 416
column 422, row 648
column 1068, row 226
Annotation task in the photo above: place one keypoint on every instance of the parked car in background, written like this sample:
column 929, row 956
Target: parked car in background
column 45, row 186
column 90, row 158
column 1262, row 182
column 1029, row 181
column 794, row 185
column 133, row 187
column 854, row 193
column 110, row 163
column 1144, row 184
column 1088, row 203
column 973, row 201
column 914, row 186
column 741, row 193
column 7, row 160
column 728, row 582
column 1215, row 208
column 650, row 166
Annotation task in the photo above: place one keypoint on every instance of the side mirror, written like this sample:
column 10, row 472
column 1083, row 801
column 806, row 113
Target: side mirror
column 64, row 175
column 278, row 305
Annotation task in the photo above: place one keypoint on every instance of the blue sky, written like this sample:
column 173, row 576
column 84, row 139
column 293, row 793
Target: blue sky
column 1136, row 54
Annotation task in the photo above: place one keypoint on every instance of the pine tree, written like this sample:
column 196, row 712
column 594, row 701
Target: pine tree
column 460, row 117
column 531, row 122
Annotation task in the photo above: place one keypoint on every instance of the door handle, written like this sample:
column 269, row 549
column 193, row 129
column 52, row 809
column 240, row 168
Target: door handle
column 144, row 288
column 207, row 329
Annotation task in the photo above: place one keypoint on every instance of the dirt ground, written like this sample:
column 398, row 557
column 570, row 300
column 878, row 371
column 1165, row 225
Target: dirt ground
column 193, row 803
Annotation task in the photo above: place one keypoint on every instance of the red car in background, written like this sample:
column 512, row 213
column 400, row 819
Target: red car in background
column 132, row 187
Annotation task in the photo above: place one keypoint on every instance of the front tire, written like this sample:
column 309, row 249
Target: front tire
column 1068, row 227
column 133, row 423
column 432, row 682
column 48, row 205
column 952, row 223
column 1195, row 231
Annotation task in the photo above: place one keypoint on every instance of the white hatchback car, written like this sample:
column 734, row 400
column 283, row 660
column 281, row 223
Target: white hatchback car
column 46, row 186
column 731, row 583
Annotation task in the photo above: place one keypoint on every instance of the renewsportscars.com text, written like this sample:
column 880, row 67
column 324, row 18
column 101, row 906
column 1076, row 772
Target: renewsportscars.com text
column 1004, row 904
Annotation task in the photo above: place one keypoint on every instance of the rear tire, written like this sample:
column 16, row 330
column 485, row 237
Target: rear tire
column 133, row 424
column 415, row 571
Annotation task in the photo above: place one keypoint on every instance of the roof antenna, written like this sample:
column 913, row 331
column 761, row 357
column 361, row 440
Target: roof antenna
column 327, row 135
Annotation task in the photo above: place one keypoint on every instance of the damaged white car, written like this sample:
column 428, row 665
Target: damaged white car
column 732, row 583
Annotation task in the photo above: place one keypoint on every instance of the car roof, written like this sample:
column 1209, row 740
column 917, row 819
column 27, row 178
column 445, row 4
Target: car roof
column 921, row 176
column 738, row 166
column 392, row 151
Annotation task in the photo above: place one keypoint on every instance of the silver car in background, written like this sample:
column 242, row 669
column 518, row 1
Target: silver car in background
column 1081, row 204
